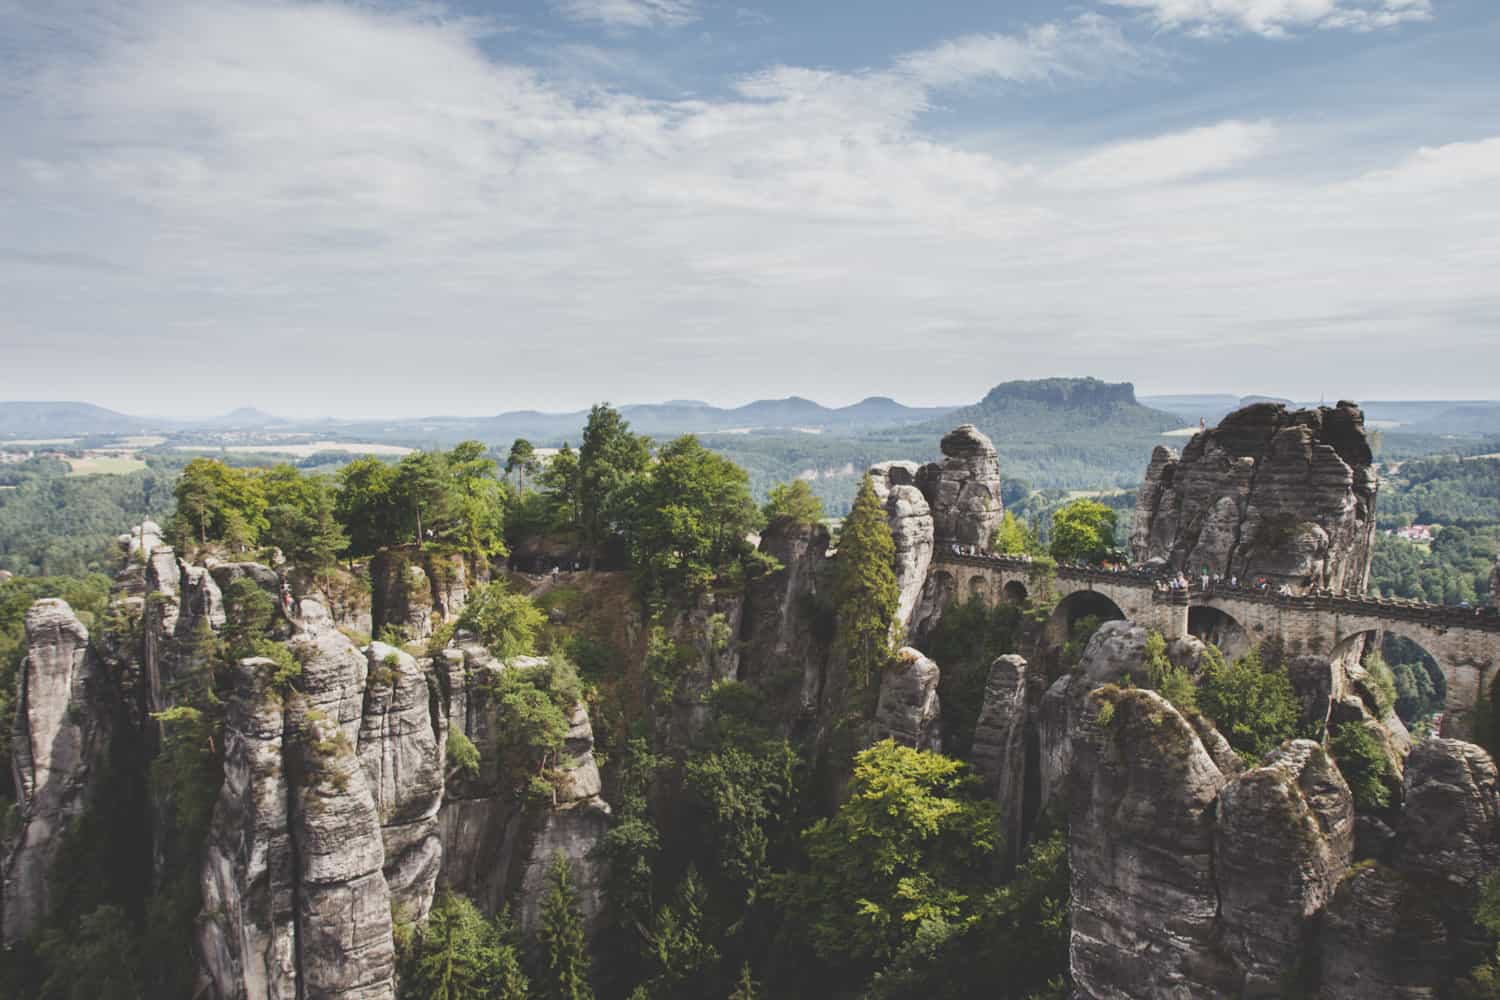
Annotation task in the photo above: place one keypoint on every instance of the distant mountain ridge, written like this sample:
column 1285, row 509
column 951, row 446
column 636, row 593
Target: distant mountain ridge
column 61, row 419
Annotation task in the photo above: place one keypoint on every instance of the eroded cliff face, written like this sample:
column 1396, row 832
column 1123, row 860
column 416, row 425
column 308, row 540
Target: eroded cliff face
column 912, row 532
column 59, row 734
column 1194, row 876
column 1287, row 495
column 963, row 490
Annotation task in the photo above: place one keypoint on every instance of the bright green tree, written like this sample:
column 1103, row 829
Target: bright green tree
column 795, row 500
column 609, row 460
column 681, row 955
column 300, row 517
column 218, row 503
column 560, row 478
column 1014, row 537
column 1252, row 704
column 459, row 955
column 507, row 623
column 865, row 595
column 421, row 491
column 476, row 502
column 1083, row 530
column 365, row 505
column 745, row 987
column 565, row 961
column 914, row 843
column 687, row 517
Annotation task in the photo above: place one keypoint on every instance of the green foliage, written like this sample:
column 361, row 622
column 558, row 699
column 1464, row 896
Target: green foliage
column 610, row 459
column 1165, row 677
column 1251, row 704
column 1483, row 982
column 1015, row 946
column 532, row 706
column 54, row 524
column 365, row 504
column 564, row 974
column 1014, row 537
column 864, row 592
column 913, row 845
column 1363, row 762
column 446, row 498
column 216, row 502
column 745, row 987
column 1382, row 683
column 459, row 955
column 506, row 623
column 1454, row 569
column 685, row 519
column 1084, row 530
column 300, row 518
column 681, row 959
column 97, row 962
column 561, row 481
column 463, row 755
column 966, row 641
column 521, row 462
column 795, row 500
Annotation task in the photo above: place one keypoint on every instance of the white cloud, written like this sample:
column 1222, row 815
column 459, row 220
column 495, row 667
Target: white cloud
column 1167, row 158
column 630, row 13
column 358, row 211
column 1278, row 18
column 1090, row 46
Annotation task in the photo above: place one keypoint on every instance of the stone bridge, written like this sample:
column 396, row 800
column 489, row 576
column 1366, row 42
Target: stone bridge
column 1465, row 642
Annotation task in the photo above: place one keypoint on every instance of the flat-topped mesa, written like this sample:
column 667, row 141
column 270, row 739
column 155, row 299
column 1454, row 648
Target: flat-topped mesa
column 963, row 490
column 1270, row 492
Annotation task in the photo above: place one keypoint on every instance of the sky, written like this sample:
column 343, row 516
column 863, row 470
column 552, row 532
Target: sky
column 368, row 208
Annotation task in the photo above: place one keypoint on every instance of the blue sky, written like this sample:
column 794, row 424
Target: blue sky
column 379, row 208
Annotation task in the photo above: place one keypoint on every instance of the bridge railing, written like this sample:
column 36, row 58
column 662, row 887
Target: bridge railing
column 1392, row 609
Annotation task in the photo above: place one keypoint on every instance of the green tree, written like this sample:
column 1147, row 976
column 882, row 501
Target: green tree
column 421, row 490
column 745, row 987
column 1363, row 762
column 865, row 595
column 219, row 503
column 560, row 478
column 459, row 955
column 1253, row 705
column 366, row 505
column 609, row 460
column 914, row 843
column 682, row 958
column 476, row 502
column 795, row 500
column 300, row 517
column 1014, row 537
column 1083, row 530
column 521, row 462
column 98, row 962
column 507, row 623
column 686, row 518
column 565, row 962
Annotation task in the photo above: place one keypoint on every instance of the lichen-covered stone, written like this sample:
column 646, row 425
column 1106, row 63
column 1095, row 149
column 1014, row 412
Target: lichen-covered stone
column 998, row 755
column 1141, row 831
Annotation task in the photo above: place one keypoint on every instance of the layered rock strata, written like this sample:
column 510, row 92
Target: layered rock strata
column 1285, row 495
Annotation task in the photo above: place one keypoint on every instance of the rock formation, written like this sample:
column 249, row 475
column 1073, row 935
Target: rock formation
column 57, row 736
column 1141, row 849
column 1284, row 837
column 778, row 624
column 1285, row 495
column 998, row 754
column 911, row 524
column 908, row 710
column 963, row 490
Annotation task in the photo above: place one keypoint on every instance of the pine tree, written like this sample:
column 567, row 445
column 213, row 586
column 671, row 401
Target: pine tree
column 564, row 954
column 745, row 988
column 865, row 592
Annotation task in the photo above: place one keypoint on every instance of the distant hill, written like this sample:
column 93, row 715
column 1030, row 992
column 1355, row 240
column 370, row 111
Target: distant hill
column 63, row 419
column 1460, row 418
column 1061, row 410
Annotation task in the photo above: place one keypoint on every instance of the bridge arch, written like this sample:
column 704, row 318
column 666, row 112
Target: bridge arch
column 1076, row 607
column 1409, row 653
column 1015, row 592
column 1219, row 627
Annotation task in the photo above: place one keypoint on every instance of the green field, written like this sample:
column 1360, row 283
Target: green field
column 104, row 465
